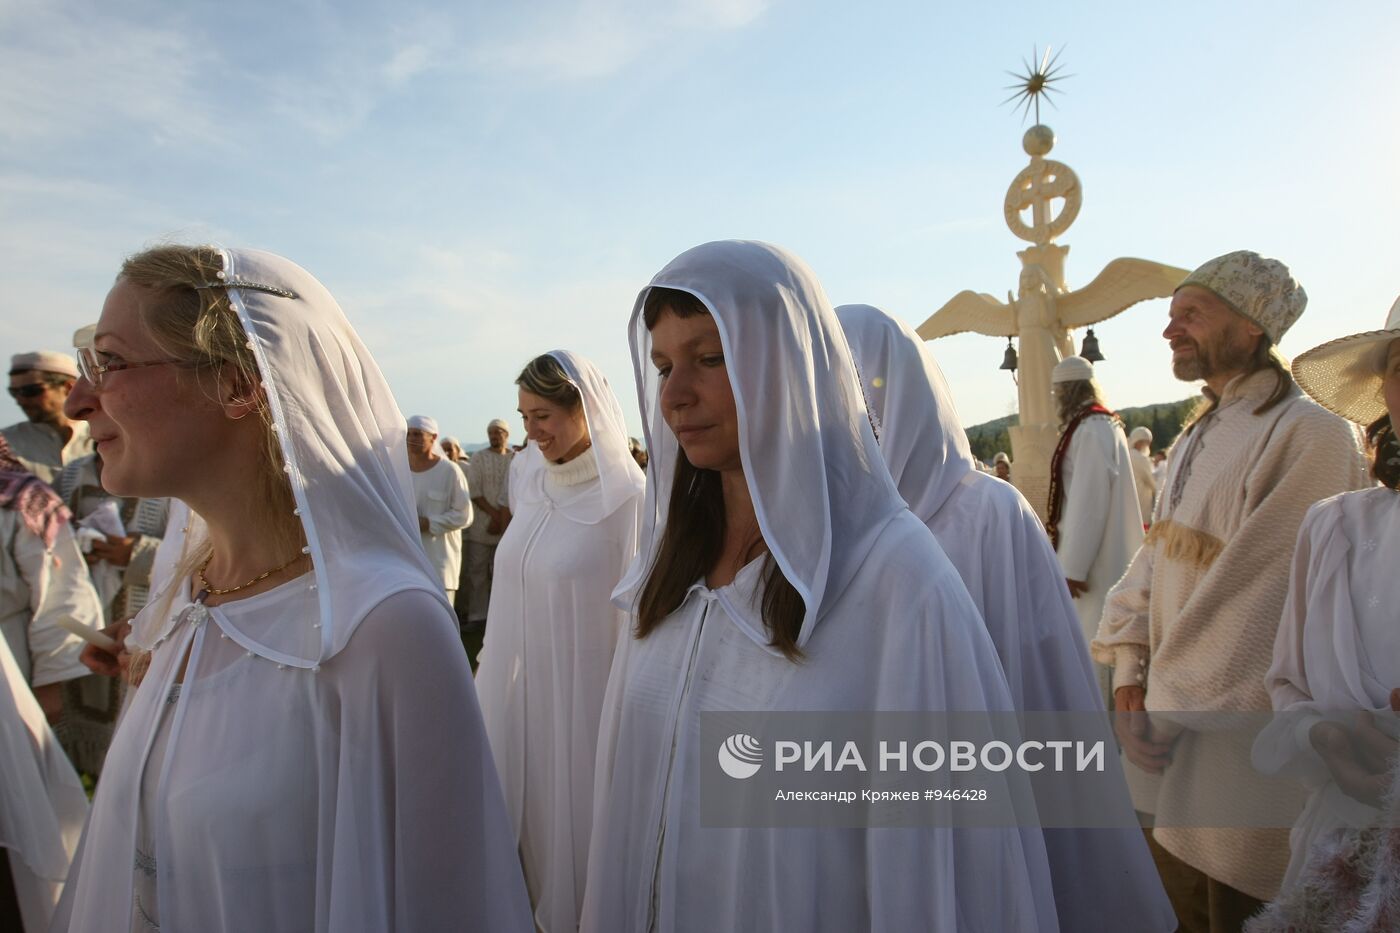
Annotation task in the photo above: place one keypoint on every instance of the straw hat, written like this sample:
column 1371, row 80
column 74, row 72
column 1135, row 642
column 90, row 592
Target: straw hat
column 1345, row 375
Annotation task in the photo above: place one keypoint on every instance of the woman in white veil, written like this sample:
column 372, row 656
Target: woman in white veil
column 305, row 751
column 1104, row 878
column 551, row 629
column 779, row 570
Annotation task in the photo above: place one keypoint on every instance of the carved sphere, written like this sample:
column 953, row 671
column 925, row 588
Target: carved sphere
column 1039, row 140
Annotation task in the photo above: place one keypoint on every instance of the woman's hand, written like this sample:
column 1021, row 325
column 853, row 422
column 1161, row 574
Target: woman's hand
column 110, row 663
column 1359, row 758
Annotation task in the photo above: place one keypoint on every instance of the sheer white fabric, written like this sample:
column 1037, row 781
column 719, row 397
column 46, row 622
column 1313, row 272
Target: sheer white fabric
column 42, row 804
column 326, row 767
column 1104, row 879
column 888, row 626
column 1337, row 652
column 619, row 478
column 550, row 637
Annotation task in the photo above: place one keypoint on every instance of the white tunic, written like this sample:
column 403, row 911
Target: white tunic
column 42, row 803
column 442, row 497
column 897, row 639
column 488, row 474
column 1338, row 650
column 38, row 586
column 1100, row 521
column 550, row 637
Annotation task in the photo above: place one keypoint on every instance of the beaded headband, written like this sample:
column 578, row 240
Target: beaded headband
column 244, row 283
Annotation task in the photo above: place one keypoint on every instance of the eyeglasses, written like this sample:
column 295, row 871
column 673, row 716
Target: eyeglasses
column 33, row 390
column 93, row 369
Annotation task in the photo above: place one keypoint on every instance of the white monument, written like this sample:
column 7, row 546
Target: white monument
column 1044, row 310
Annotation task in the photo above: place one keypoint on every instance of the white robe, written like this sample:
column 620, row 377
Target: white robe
column 551, row 632
column 897, row 639
column 1338, row 651
column 42, row 803
column 442, row 497
column 299, row 799
column 1100, row 521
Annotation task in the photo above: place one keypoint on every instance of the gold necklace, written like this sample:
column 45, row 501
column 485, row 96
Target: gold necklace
column 213, row 591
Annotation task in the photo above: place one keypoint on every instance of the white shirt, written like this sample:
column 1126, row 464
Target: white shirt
column 443, row 498
column 38, row 586
column 488, row 474
column 1338, row 651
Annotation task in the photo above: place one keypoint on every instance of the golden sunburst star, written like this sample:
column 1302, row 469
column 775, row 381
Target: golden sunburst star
column 1036, row 82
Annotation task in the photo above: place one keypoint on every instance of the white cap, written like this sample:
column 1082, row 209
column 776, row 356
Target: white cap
column 44, row 361
column 423, row 423
column 497, row 423
column 1072, row 369
column 1140, row 433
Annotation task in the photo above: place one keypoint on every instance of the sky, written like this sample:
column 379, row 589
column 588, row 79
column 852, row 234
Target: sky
column 480, row 182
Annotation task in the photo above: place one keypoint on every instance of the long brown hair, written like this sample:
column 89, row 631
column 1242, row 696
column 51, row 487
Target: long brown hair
column 694, row 537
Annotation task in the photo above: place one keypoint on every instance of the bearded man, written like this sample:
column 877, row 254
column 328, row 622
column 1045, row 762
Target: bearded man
column 1191, row 625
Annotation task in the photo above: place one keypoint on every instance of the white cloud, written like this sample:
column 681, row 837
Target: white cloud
column 595, row 38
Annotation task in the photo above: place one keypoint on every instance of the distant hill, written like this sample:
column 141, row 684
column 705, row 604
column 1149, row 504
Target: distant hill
column 1164, row 420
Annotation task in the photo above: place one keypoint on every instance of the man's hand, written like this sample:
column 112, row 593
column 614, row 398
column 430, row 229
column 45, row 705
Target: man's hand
column 101, row 661
column 422, row 524
column 1077, row 588
column 1143, row 745
column 115, row 551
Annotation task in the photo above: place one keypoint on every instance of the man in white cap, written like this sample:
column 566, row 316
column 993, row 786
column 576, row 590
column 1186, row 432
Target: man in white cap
column 1140, row 442
column 1191, row 626
column 489, row 472
column 1093, row 516
column 39, row 383
column 1001, row 466
column 444, row 501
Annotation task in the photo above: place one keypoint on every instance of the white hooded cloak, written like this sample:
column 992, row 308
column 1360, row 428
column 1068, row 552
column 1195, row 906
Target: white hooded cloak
column 888, row 626
column 551, row 633
column 324, row 767
column 1104, row 878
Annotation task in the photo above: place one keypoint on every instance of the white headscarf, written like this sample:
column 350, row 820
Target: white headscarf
column 819, row 486
column 343, row 440
column 925, row 446
column 619, row 477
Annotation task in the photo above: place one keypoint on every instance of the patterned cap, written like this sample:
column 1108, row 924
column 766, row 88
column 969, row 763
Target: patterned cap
column 1258, row 288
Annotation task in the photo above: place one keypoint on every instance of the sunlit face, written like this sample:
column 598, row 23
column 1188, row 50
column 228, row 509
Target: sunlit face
column 46, row 404
column 1391, row 384
column 556, row 431
column 1207, row 337
column 697, row 400
column 1003, row 470
column 156, row 427
column 420, row 442
column 498, row 436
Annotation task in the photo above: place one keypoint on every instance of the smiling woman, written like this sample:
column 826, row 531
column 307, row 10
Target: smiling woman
column 551, row 628
column 305, row 750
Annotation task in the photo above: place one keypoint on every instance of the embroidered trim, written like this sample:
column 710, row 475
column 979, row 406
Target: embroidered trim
column 254, row 286
column 1184, row 544
column 146, row 864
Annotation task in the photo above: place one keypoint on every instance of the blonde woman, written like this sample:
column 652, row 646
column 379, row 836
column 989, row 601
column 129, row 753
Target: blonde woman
column 552, row 629
column 305, row 750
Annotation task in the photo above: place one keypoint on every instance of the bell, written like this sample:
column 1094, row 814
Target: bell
column 1008, row 360
column 1090, row 350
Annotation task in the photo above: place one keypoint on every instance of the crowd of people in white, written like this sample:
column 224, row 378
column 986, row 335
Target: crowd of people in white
column 236, row 579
